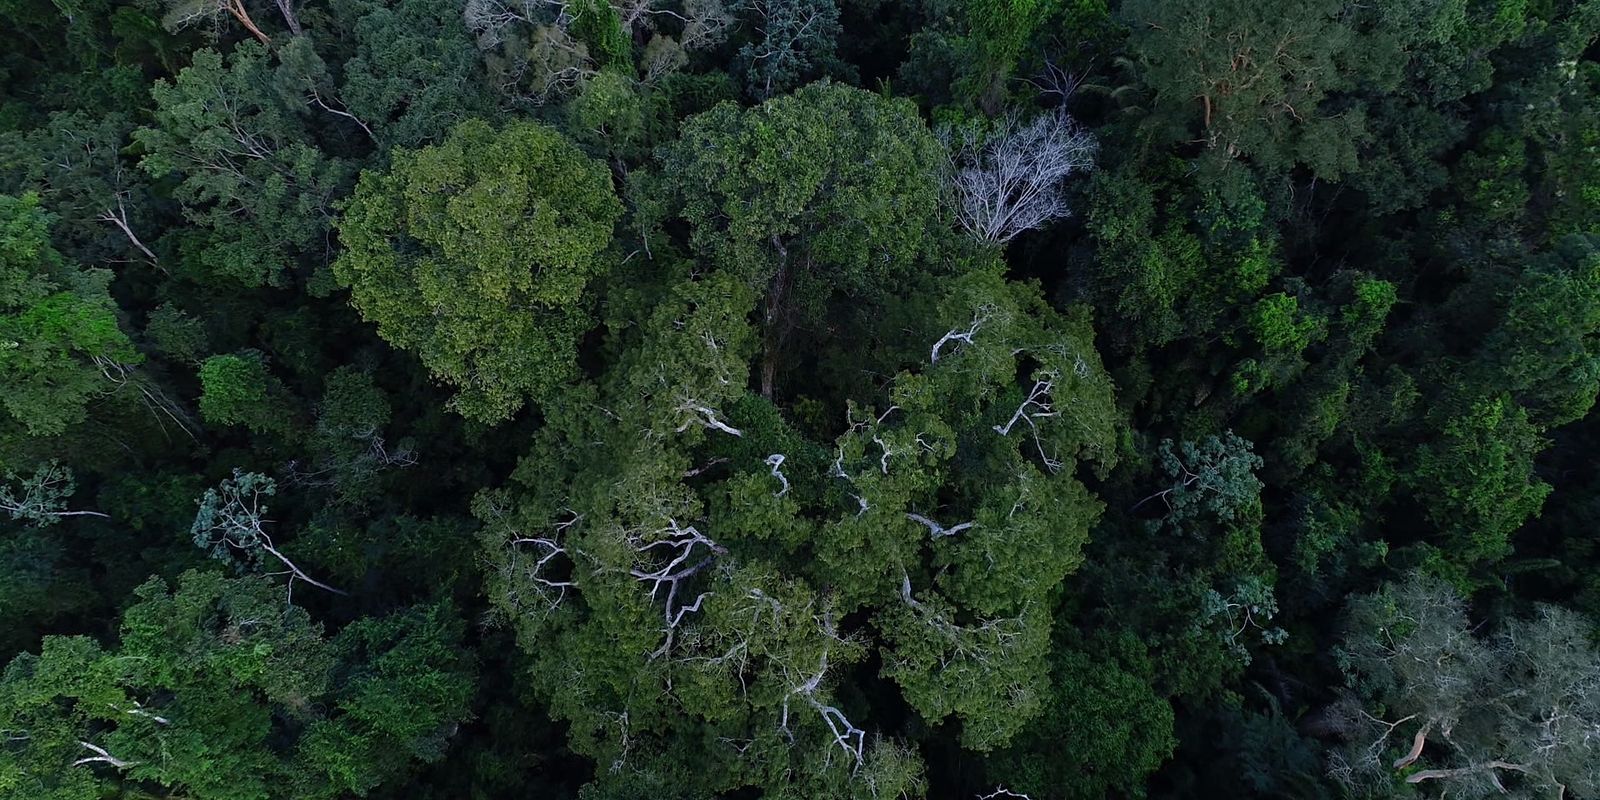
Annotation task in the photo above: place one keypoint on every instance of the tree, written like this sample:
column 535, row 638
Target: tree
column 829, row 192
column 414, row 74
column 1476, row 480
column 230, row 526
column 1437, row 705
column 254, row 186
column 76, row 166
column 476, row 253
column 1215, row 477
column 217, row 691
column 237, row 389
column 1103, row 728
column 1008, row 180
column 793, row 44
column 654, row 539
column 1258, row 80
column 186, row 13
column 39, row 497
column 58, row 326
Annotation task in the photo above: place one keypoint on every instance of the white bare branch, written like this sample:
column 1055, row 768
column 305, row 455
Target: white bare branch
column 775, row 461
column 1038, row 405
column 846, row 735
column 669, row 558
column 705, row 417
column 979, row 319
column 101, row 757
column 935, row 530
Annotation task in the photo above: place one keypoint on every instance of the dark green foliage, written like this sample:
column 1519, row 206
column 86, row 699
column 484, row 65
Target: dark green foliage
column 238, row 390
column 58, row 326
column 638, row 399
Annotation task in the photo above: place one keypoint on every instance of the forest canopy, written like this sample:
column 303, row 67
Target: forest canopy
column 979, row 399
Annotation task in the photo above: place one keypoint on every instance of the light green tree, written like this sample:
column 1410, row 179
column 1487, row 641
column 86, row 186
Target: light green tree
column 477, row 253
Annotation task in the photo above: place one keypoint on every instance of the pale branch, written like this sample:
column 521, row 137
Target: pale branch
column 286, row 8
column 42, row 495
column 775, row 461
column 138, row 711
column 979, row 319
column 845, row 734
column 101, row 757
column 233, row 519
column 1038, row 405
column 705, row 417
column 690, row 473
column 119, row 218
column 1001, row 791
column 689, row 552
column 320, row 103
column 1417, row 743
column 1441, row 774
column 935, row 530
column 150, row 395
column 1038, row 400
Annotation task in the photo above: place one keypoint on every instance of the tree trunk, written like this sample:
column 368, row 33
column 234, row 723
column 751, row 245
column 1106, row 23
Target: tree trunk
column 286, row 7
column 236, row 8
column 776, row 320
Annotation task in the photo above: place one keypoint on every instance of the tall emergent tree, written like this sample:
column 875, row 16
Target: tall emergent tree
column 476, row 254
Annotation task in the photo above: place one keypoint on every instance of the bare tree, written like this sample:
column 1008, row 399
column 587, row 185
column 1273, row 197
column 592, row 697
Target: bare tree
column 1009, row 180
column 229, row 526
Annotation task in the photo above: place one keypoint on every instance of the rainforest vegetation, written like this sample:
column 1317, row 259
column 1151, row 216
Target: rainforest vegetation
column 656, row 399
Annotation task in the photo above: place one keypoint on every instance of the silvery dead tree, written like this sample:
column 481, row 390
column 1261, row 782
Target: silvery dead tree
column 1437, row 703
column 700, row 23
column 41, row 498
column 1010, row 179
column 229, row 527
column 532, row 48
column 493, row 21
